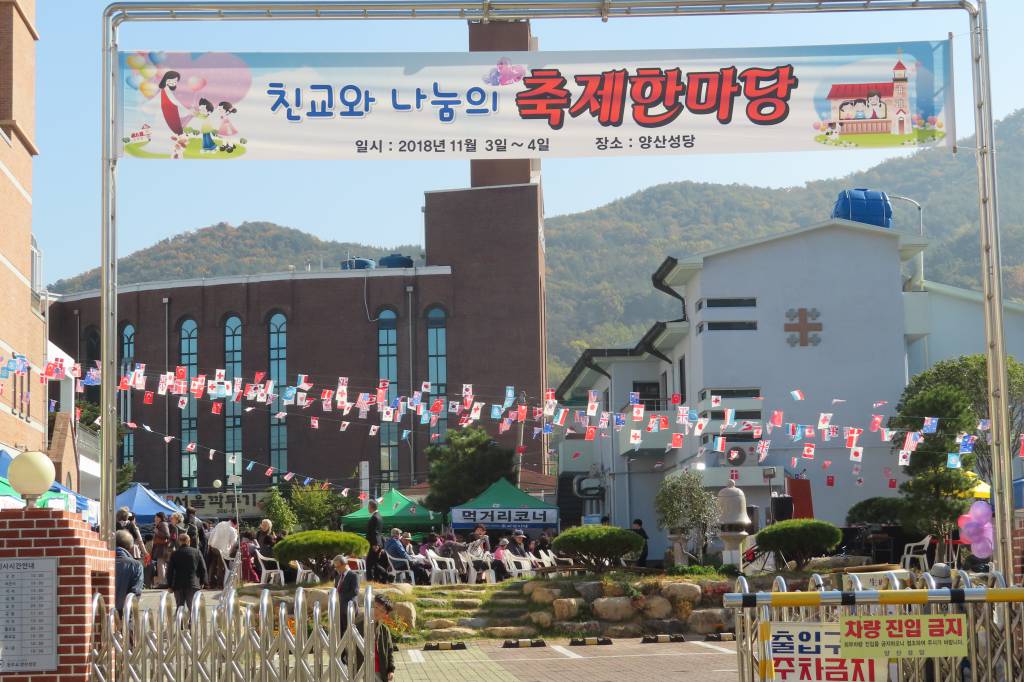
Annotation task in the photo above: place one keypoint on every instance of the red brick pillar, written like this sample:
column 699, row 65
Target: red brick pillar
column 1018, row 547
column 83, row 566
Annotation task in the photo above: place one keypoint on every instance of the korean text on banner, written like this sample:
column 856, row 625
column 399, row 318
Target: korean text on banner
column 931, row 636
column 219, row 105
column 811, row 652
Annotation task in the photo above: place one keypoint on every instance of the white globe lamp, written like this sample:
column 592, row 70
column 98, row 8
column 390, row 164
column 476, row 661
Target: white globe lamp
column 31, row 474
column 217, row 484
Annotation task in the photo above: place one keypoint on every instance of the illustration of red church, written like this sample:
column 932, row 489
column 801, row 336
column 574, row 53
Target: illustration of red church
column 859, row 108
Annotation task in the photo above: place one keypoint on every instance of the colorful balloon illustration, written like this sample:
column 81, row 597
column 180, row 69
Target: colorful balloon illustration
column 196, row 83
column 135, row 61
column 134, row 80
column 157, row 57
column 976, row 528
column 148, row 71
column 148, row 89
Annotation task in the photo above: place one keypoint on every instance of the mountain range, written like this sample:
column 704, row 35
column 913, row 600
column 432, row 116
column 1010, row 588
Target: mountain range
column 600, row 261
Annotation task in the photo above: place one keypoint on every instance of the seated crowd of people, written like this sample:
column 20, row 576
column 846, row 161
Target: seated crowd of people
column 471, row 557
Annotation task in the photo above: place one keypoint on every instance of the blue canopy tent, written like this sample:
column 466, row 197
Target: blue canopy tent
column 5, row 461
column 144, row 503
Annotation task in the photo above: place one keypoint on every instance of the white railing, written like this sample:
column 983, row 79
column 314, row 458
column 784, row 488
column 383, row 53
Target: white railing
column 229, row 641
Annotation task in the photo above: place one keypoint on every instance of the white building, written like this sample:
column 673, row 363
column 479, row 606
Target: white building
column 827, row 310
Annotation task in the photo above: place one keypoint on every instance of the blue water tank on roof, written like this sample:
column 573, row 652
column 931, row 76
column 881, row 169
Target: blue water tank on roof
column 358, row 264
column 396, row 260
column 864, row 206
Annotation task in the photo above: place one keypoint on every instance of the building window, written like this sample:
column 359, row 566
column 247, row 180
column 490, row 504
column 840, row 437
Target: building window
column 731, row 303
column 387, row 355
column 189, row 359
column 92, row 357
column 726, row 393
column 278, row 343
column 124, row 398
column 232, row 409
column 437, row 367
column 650, row 394
column 730, row 326
column 682, row 379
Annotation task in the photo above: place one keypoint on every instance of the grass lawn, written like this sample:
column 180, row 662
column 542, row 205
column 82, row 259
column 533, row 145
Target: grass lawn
column 869, row 140
column 192, row 151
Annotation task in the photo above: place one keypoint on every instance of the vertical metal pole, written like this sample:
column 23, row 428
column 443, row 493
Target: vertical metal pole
column 108, row 290
column 519, row 444
column 992, row 289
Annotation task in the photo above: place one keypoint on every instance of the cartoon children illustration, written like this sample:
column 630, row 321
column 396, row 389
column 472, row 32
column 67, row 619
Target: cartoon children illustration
column 860, row 108
column 206, row 126
column 846, row 111
column 227, row 129
column 170, row 107
column 875, row 104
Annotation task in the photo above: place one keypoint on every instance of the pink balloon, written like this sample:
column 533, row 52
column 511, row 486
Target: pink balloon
column 982, row 549
column 225, row 76
column 980, row 511
column 196, row 83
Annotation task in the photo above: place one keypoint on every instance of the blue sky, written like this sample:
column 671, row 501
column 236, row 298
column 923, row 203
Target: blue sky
column 379, row 201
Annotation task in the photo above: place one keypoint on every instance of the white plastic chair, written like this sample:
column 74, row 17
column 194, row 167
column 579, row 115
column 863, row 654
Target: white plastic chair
column 518, row 567
column 399, row 568
column 472, row 574
column 305, row 575
column 359, row 566
column 270, row 571
column 916, row 551
column 442, row 569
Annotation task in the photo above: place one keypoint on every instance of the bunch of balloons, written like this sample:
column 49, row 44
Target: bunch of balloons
column 146, row 71
column 976, row 528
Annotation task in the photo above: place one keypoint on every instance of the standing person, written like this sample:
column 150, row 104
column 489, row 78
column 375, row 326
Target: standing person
column 171, row 108
column 347, row 585
column 223, row 537
column 194, row 529
column 227, row 129
column 177, row 528
column 373, row 536
column 247, row 558
column 161, row 548
column 127, row 570
column 186, row 572
column 638, row 528
column 383, row 644
column 126, row 522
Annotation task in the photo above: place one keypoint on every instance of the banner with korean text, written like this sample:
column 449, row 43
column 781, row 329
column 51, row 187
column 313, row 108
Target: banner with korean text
column 219, row 105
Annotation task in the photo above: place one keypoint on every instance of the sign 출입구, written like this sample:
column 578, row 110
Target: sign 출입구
column 28, row 615
column 533, row 104
column 811, row 652
column 904, row 636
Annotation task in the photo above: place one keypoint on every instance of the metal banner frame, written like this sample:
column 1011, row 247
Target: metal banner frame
column 518, row 10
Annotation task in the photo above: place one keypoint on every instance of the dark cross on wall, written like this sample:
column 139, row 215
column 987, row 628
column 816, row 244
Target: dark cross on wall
column 801, row 327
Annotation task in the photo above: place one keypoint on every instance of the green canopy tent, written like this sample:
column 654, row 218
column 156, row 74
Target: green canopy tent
column 397, row 511
column 505, row 506
column 9, row 497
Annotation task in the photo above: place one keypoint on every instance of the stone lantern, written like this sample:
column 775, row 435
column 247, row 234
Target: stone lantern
column 733, row 522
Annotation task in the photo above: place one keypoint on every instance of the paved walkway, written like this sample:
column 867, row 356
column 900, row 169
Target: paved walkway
column 558, row 662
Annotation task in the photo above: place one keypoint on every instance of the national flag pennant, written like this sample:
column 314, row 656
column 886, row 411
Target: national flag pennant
column 577, row 454
column 677, row 440
column 729, row 417
column 635, row 436
column 855, row 470
column 217, row 407
column 1020, row 449
column 190, row 447
column 147, row 398
column 776, row 418
column 289, row 476
column 953, row 460
column 852, row 434
column 762, row 450
column 984, row 424
column 826, row 464
column 269, row 472
column 892, row 482
column 634, row 398
column 638, row 413
column 716, row 401
column 677, row 399
column 808, row 452
column 699, row 427
column 250, row 466
column 876, row 422
column 734, row 474
column 824, row 420
column 856, row 454
column 314, row 423
column 591, row 433
column 859, row 482
column 797, row 394
column 967, row 443
column 719, row 444
column 904, row 458
column 212, row 451
column 880, row 403
column 792, row 462
column 374, row 428
column 830, row 481
column 837, row 401
column 931, row 424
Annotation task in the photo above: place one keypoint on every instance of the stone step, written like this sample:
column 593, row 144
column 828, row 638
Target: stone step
column 466, row 603
column 502, row 613
column 445, row 613
column 431, row 602
column 450, row 634
column 507, row 601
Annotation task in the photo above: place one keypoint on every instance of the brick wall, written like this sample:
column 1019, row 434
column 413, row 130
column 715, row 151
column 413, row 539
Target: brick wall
column 1018, row 547
column 84, row 566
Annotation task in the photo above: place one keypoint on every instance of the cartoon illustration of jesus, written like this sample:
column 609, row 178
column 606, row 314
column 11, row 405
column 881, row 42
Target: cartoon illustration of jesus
column 170, row 107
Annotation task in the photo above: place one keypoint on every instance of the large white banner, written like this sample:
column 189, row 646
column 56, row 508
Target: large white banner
column 506, row 518
column 534, row 104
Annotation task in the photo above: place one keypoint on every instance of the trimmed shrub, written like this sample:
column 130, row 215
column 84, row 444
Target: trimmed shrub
column 316, row 548
column 876, row 510
column 597, row 547
column 799, row 540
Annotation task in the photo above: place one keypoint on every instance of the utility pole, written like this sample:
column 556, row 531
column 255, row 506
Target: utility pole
column 519, row 443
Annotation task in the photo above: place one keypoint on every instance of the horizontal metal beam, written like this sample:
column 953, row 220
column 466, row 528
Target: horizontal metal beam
column 499, row 11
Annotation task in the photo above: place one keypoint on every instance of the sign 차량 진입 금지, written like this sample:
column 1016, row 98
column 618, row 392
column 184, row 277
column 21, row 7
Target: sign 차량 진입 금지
column 219, row 105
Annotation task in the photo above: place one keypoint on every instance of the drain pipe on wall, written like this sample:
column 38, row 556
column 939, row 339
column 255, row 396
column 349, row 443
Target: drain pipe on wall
column 409, row 288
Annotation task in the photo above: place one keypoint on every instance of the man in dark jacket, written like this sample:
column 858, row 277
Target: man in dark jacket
column 127, row 570
column 186, row 572
column 347, row 585
column 196, row 532
column 373, row 535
